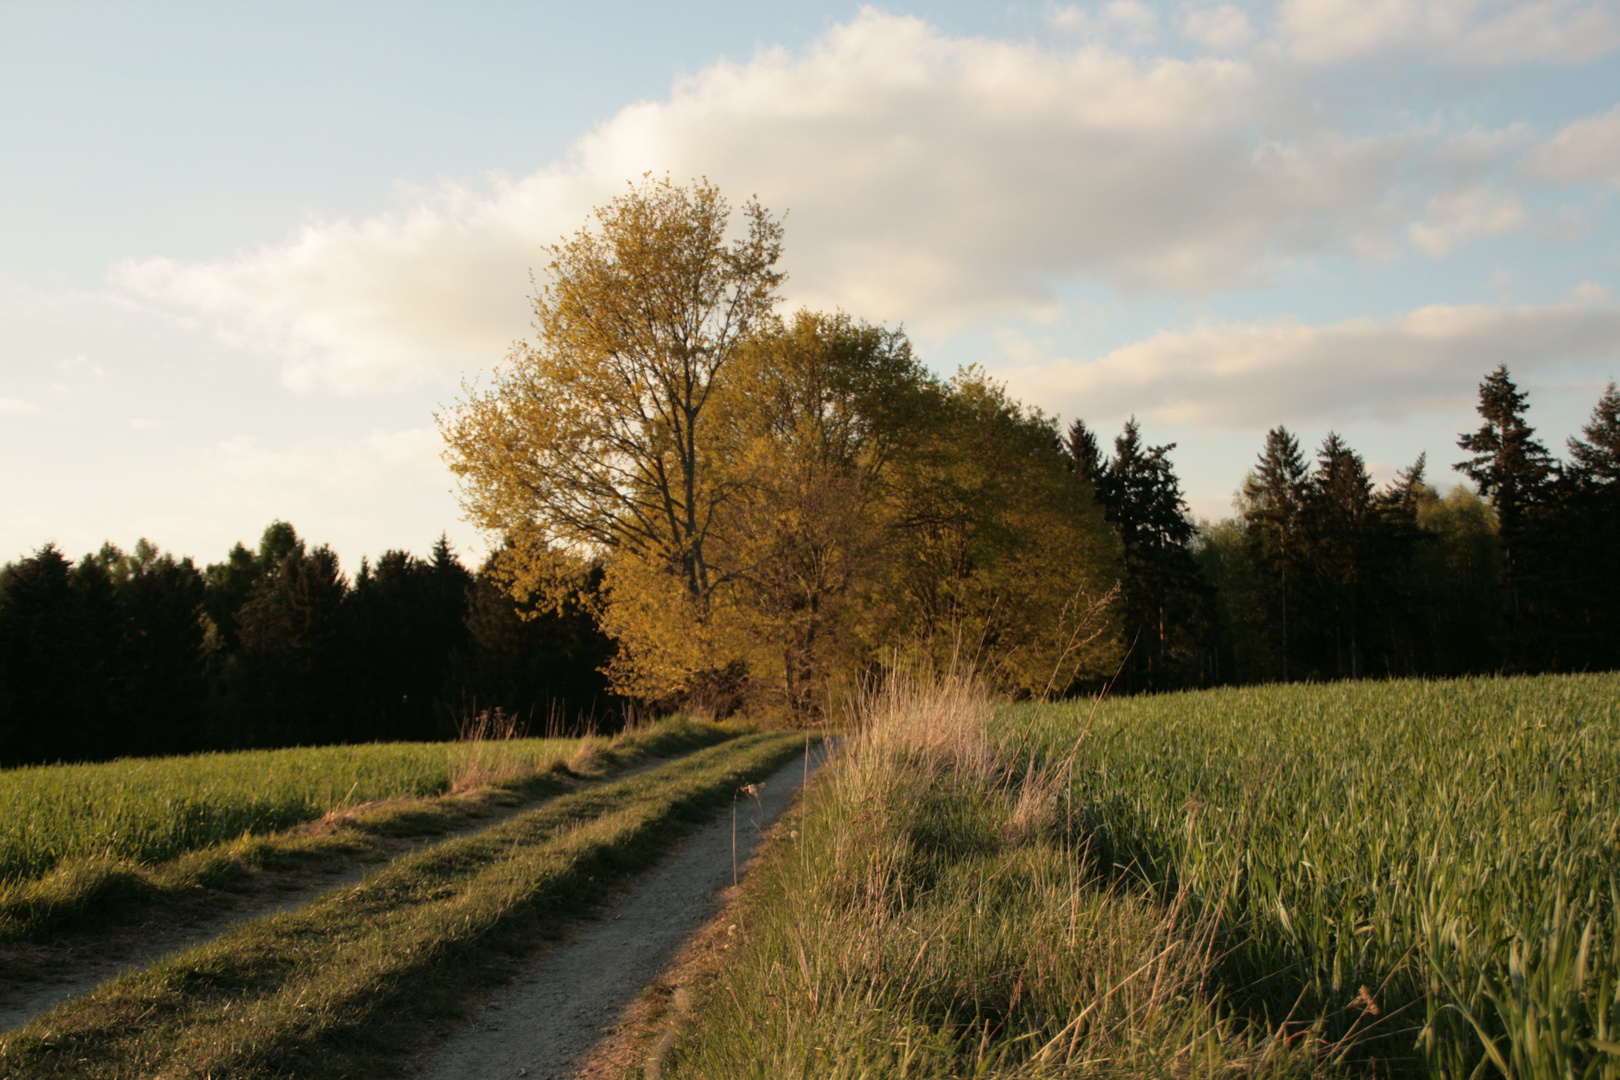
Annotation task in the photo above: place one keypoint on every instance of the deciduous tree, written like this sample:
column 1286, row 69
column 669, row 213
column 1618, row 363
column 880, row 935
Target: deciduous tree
column 596, row 442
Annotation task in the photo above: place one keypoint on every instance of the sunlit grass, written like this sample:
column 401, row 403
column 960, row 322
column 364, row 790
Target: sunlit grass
column 1428, row 869
column 932, row 915
column 149, row 809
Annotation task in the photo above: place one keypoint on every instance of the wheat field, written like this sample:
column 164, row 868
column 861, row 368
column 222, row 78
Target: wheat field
column 1428, row 871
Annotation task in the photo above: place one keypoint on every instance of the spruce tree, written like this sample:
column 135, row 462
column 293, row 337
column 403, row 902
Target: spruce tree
column 1511, row 467
column 52, row 658
column 1273, row 501
column 1586, row 522
column 1516, row 473
column 1337, row 515
column 1597, row 456
column 1165, row 596
column 1081, row 444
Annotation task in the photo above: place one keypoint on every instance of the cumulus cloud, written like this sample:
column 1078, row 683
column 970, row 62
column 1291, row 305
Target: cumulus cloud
column 931, row 180
column 11, row 406
column 378, row 304
column 1586, row 150
column 1459, row 216
column 1253, row 375
column 1131, row 20
column 1468, row 32
column 1222, row 29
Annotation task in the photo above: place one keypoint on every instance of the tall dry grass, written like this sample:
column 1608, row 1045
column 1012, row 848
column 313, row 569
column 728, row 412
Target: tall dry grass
column 493, row 748
column 935, row 912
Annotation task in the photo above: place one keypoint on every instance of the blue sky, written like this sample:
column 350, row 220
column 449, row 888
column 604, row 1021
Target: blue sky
column 246, row 251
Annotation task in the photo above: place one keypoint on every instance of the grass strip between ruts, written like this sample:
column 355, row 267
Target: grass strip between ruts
column 359, row 979
column 87, row 895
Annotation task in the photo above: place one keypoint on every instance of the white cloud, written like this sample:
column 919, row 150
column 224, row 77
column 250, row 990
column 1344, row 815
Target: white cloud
column 10, row 406
column 1221, row 29
column 1468, row 32
column 383, row 457
column 1131, row 20
column 932, row 180
column 1586, row 150
column 379, row 304
column 1459, row 216
column 1254, row 375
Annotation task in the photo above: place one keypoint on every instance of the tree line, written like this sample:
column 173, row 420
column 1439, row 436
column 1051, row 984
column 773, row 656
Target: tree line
column 1321, row 576
column 138, row 653
column 699, row 504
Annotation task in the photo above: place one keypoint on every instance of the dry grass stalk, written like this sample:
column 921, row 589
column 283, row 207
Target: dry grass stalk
column 487, row 753
column 939, row 905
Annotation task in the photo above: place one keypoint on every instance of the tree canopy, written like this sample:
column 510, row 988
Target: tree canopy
column 772, row 505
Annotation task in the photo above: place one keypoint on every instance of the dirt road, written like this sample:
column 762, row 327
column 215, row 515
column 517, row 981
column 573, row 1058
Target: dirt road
column 542, row 1025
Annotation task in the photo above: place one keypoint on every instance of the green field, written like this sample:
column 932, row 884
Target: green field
column 1453, row 847
column 149, row 809
column 1355, row 879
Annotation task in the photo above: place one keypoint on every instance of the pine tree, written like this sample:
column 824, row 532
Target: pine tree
column 1273, row 500
column 1337, row 515
column 1165, row 593
column 1081, row 443
column 1516, row 473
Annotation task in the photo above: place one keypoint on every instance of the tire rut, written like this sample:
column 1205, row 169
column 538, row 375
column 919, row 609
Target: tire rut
column 544, row 1025
column 159, row 938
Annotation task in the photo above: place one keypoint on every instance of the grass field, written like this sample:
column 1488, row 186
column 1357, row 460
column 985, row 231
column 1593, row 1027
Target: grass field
column 1451, row 847
column 1377, row 878
column 149, row 809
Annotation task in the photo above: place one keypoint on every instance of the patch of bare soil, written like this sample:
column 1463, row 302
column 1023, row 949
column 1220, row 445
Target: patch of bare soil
column 78, row 963
column 546, row 1024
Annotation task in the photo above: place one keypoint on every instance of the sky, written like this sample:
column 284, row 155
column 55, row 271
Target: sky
column 248, row 251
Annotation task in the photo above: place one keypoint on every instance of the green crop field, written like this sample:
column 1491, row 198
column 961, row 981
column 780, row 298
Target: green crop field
column 1427, row 870
column 151, row 809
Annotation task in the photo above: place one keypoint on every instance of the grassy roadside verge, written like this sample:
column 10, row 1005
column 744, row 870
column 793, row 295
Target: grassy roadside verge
column 88, row 898
column 349, row 985
column 934, row 912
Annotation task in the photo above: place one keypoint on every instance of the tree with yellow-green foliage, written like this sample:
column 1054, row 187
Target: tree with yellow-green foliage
column 817, row 412
column 774, row 506
column 1002, row 556
column 594, row 443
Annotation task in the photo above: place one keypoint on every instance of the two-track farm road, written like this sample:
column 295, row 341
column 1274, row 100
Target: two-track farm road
column 543, row 1025
column 144, row 946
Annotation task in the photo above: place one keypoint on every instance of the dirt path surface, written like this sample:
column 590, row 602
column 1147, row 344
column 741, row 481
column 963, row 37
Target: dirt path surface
column 144, row 945
column 544, row 1025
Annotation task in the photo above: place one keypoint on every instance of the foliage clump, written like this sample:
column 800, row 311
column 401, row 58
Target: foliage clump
column 772, row 505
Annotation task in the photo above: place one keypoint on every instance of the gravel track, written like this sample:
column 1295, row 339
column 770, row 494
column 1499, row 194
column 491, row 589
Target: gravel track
column 145, row 945
column 544, row 1025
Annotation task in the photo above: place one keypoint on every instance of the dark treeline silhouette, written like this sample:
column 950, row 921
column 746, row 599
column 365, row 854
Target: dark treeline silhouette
column 1322, row 576
column 143, row 653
